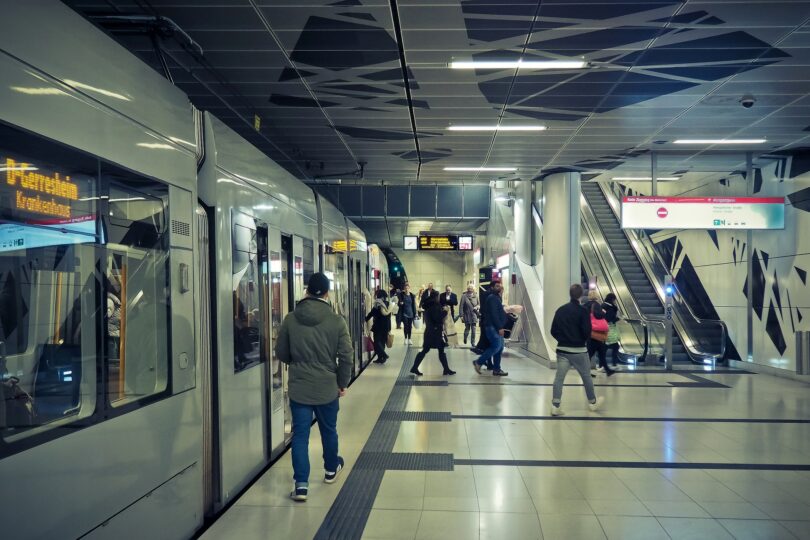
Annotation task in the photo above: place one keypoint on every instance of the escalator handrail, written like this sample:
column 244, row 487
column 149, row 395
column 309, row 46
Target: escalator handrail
column 643, row 239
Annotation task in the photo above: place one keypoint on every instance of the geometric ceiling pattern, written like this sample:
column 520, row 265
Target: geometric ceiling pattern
column 341, row 82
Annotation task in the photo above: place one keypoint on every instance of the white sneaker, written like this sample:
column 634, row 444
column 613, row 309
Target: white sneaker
column 596, row 406
column 593, row 373
column 556, row 411
column 601, row 370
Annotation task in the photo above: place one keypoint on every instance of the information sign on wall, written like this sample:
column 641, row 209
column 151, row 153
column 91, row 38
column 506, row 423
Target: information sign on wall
column 703, row 213
column 410, row 243
column 448, row 242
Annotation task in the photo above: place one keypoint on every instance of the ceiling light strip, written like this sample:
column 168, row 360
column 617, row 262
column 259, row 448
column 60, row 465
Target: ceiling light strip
column 497, row 128
column 648, row 178
column 480, row 169
column 720, row 141
column 519, row 64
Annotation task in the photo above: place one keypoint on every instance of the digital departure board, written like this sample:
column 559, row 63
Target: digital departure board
column 449, row 242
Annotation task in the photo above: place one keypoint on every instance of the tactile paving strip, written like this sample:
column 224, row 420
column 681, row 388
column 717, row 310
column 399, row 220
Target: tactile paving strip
column 388, row 461
column 411, row 382
column 348, row 515
column 415, row 416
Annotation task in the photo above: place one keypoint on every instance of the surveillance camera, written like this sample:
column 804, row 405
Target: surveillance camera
column 748, row 101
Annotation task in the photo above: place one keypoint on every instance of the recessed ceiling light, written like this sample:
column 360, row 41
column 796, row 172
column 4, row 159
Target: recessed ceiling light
column 497, row 128
column 720, row 141
column 480, row 169
column 521, row 64
column 648, row 178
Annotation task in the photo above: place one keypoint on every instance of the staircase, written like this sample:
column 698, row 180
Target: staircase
column 635, row 278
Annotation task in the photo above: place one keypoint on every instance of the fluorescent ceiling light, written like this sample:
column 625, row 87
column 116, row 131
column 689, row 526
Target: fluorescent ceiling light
column 497, row 128
column 720, row 141
column 480, row 169
column 155, row 146
column 37, row 91
column 648, row 178
column 520, row 64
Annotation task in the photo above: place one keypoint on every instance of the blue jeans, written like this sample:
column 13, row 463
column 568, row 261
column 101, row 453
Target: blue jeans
column 326, row 415
column 494, row 350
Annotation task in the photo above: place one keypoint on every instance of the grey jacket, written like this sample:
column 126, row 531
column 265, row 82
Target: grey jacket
column 469, row 303
column 314, row 341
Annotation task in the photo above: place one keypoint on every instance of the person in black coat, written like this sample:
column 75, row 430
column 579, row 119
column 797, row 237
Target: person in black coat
column 381, row 326
column 595, row 346
column 612, row 317
column 449, row 298
column 434, row 325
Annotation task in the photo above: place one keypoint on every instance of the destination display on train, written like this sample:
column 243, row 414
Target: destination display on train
column 448, row 242
column 44, row 206
column 703, row 213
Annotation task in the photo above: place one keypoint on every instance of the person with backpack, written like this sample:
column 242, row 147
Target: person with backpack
column 599, row 332
column 571, row 327
column 381, row 327
column 495, row 321
column 434, row 316
column 612, row 317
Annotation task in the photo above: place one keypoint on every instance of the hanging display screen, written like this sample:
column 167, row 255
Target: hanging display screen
column 703, row 213
column 449, row 242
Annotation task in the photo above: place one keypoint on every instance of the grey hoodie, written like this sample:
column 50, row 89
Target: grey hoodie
column 315, row 342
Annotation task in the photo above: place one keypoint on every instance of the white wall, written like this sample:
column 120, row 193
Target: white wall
column 440, row 268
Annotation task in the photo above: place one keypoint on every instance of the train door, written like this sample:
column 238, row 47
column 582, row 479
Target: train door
column 289, row 286
column 359, row 316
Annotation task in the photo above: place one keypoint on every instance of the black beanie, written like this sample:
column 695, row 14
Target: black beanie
column 318, row 284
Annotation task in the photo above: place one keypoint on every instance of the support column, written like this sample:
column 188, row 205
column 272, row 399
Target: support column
column 749, row 240
column 561, row 250
column 523, row 221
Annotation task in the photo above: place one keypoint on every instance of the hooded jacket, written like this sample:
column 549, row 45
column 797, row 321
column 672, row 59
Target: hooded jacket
column 314, row 341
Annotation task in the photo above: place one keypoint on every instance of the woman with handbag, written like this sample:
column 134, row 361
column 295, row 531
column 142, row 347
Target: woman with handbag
column 434, row 317
column 407, row 308
column 381, row 326
column 612, row 317
column 599, row 332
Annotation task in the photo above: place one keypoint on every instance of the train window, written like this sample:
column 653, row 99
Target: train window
column 276, row 318
column 136, row 310
column 298, row 278
column 309, row 260
column 248, row 297
column 48, row 209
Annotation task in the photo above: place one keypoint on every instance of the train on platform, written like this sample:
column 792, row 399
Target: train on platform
column 148, row 255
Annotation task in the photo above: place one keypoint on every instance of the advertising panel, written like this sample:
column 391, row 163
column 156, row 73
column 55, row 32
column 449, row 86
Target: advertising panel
column 703, row 213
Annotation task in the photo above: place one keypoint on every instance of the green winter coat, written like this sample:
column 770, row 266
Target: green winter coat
column 314, row 341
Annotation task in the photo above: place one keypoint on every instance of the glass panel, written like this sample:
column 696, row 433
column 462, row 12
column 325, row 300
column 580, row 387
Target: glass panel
column 298, row 278
column 247, row 296
column 136, row 282
column 48, row 225
column 309, row 260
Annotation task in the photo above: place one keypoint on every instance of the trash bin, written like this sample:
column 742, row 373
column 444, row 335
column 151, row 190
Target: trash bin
column 803, row 353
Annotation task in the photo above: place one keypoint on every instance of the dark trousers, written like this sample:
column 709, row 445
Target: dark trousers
column 380, row 338
column 421, row 356
column 408, row 322
column 469, row 330
column 399, row 318
column 598, row 347
column 614, row 350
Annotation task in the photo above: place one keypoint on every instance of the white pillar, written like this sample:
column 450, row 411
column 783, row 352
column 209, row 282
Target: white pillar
column 561, row 264
column 523, row 221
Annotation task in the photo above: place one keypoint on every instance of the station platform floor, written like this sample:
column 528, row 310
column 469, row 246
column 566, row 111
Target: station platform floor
column 694, row 453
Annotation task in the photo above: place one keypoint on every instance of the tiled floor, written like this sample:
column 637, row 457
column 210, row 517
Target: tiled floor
column 636, row 496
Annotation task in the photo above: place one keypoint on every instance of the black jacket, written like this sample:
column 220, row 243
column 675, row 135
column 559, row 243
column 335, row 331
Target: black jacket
column 494, row 314
column 592, row 306
column 571, row 326
column 453, row 302
column 424, row 298
column 434, row 325
column 611, row 312
column 382, row 321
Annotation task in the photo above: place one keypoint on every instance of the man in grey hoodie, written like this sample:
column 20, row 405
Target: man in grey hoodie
column 314, row 342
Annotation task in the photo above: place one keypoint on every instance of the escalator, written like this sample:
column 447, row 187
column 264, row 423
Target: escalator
column 636, row 282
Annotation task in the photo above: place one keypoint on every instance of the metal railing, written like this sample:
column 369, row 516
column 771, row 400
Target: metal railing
column 701, row 342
